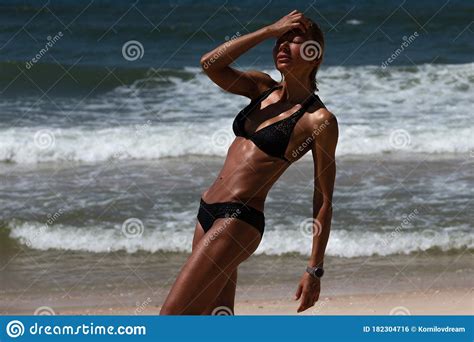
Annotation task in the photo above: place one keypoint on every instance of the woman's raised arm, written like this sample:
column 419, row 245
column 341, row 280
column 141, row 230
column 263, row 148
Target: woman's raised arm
column 216, row 63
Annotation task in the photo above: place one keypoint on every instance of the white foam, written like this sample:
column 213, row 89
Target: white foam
column 85, row 145
column 349, row 244
column 97, row 239
column 354, row 22
column 428, row 108
column 342, row 243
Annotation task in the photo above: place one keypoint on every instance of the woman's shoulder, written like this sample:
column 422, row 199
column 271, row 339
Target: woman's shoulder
column 322, row 122
column 263, row 82
column 320, row 114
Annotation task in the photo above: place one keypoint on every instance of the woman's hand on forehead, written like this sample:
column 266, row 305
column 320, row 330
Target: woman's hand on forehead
column 290, row 35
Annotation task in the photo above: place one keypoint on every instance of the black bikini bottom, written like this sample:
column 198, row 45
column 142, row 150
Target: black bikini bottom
column 209, row 212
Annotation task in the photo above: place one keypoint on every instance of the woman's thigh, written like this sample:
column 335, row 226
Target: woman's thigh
column 225, row 301
column 215, row 256
column 226, row 297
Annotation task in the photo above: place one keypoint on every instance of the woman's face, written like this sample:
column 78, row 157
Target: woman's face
column 287, row 52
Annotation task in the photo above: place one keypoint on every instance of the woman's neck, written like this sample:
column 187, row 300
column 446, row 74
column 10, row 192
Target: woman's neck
column 294, row 90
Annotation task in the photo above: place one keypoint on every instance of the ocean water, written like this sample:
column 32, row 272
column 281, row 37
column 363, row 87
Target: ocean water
column 93, row 143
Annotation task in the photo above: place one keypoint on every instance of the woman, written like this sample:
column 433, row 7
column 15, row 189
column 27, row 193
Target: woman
column 283, row 121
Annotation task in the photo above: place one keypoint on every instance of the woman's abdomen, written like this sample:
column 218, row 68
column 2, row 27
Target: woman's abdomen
column 246, row 176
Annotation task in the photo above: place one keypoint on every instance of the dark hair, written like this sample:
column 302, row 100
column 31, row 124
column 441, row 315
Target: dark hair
column 317, row 35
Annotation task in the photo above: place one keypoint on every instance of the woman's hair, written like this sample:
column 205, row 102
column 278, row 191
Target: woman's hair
column 316, row 34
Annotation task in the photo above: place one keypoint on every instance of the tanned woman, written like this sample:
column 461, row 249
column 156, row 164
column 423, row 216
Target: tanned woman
column 283, row 121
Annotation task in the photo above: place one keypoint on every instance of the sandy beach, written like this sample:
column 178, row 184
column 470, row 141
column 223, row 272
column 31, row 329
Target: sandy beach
column 451, row 301
column 435, row 302
column 415, row 284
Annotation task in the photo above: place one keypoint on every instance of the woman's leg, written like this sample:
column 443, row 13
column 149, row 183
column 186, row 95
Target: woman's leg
column 211, row 266
column 227, row 296
column 226, row 299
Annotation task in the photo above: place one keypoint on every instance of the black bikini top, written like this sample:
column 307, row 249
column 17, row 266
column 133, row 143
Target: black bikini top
column 274, row 138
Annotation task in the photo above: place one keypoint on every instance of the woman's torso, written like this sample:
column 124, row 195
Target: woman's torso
column 280, row 131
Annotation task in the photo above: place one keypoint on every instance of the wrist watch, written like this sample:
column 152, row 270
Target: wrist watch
column 315, row 272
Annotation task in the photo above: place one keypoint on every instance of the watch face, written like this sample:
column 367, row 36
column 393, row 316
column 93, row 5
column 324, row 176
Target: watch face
column 318, row 272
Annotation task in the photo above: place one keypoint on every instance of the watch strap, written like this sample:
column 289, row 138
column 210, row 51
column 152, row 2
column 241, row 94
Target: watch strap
column 311, row 271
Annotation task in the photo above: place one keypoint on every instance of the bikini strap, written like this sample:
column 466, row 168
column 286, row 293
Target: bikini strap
column 260, row 98
column 308, row 102
column 264, row 94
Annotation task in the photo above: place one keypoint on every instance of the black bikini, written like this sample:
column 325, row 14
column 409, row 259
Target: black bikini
column 209, row 212
column 273, row 140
